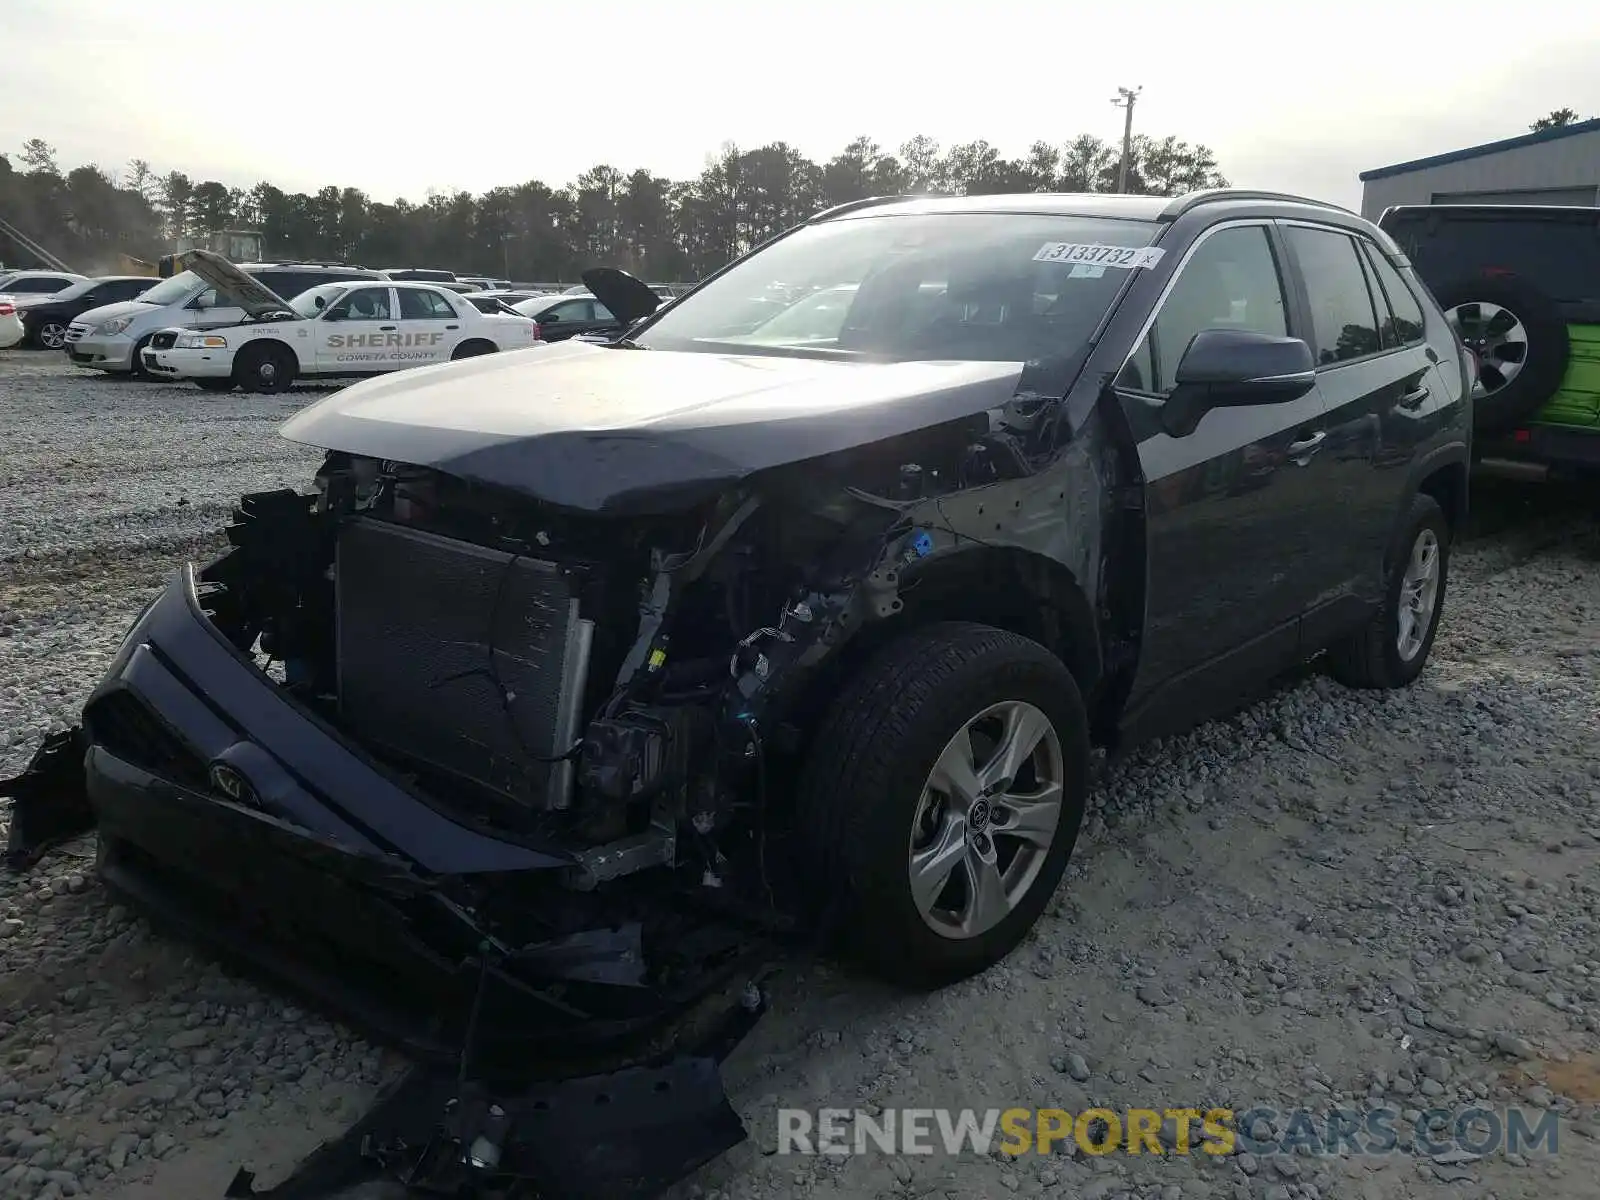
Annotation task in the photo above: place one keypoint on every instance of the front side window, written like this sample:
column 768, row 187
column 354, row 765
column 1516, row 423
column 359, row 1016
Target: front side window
column 989, row 287
column 1344, row 324
column 363, row 304
column 1231, row 281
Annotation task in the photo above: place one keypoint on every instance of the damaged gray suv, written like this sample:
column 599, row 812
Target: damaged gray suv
column 798, row 608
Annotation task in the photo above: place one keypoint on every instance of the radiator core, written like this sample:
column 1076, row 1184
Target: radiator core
column 467, row 659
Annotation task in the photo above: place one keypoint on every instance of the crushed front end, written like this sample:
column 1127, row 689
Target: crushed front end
column 488, row 777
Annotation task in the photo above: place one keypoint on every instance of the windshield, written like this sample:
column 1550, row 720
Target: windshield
column 990, row 287
column 171, row 291
column 306, row 302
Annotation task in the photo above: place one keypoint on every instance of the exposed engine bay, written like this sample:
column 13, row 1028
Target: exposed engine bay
column 611, row 685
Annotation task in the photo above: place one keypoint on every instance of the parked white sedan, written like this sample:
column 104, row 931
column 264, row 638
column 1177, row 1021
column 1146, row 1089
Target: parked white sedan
column 338, row 330
column 11, row 331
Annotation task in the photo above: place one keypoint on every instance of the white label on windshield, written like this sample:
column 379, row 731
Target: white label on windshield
column 1125, row 257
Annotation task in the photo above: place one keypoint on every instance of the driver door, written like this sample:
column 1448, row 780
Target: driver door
column 1230, row 508
column 358, row 333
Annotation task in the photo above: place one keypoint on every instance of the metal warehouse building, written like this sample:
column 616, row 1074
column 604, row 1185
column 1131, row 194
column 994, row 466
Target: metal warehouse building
column 1553, row 166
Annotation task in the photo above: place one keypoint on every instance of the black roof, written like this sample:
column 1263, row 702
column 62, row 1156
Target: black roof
column 1512, row 143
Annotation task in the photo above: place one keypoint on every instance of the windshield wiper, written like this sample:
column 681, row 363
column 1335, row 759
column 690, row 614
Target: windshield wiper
column 625, row 344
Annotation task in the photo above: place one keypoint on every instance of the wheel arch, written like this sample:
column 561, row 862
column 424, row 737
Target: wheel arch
column 1443, row 474
column 1016, row 590
column 489, row 345
column 258, row 345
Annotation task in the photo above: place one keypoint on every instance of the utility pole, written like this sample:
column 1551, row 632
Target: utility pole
column 1125, row 99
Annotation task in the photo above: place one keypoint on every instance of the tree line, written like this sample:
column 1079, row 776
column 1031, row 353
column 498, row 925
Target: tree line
column 656, row 227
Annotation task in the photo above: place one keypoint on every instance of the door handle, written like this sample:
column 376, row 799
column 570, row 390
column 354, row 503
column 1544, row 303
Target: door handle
column 1306, row 447
column 386, row 327
column 1415, row 396
column 452, row 327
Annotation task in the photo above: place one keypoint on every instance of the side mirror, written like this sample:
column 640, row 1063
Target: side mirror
column 1236, row 368
column 320, row 302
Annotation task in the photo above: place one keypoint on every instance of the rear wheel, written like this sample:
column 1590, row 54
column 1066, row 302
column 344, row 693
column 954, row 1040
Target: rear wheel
column 472, row 349
column 48, row 335
column 1519, row 340
column 265, row 369
column 942, row 800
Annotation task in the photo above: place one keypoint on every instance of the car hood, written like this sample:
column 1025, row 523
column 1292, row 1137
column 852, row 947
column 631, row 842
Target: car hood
column 625, row 431
column 241, row 288
column 627, row 298
column 110, row 312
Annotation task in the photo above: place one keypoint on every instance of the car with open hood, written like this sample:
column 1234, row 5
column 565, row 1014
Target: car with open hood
column 112, row 338
column 334, row 331
column 718, row 627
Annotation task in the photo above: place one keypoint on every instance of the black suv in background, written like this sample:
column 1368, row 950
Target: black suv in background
column 45, row 321
column 1521, row 284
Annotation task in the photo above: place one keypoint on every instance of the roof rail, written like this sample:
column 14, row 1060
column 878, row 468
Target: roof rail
column 1192, row 200
column 850, row 206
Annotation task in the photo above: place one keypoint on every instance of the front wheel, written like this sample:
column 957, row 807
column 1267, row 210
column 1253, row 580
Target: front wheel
column 942, row 800
column 1391, row 649
column 264, row 369
column 48, row 335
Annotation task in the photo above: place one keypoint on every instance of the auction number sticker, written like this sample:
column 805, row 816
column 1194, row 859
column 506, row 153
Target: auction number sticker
column 1127, row 257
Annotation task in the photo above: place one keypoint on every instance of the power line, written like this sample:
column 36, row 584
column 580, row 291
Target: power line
column 1125, row 99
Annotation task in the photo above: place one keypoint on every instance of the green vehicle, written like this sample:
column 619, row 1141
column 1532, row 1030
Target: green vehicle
column 1521, row 285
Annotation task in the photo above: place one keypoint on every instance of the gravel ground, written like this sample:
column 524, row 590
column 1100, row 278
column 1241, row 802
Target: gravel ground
column 1332, row 898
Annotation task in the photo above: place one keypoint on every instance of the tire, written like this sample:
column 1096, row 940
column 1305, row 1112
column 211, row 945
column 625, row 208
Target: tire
column 864, row 807
column 265, row 369
column 51, row 335
column 473, row 349
column 1372, row 657
column 1539, row 331
column 138, row 370
column 216, row 385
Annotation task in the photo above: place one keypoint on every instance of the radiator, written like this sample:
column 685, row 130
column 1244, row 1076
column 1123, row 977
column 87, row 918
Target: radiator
column 419, row 617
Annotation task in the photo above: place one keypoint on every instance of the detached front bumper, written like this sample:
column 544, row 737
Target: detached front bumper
column 189, row 364
column 226, row 808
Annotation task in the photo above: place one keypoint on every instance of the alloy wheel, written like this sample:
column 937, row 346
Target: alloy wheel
column 986, row 819
column 52, row 335
column 1419, row 595
column 1498, row 340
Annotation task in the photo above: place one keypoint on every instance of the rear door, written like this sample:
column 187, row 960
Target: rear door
column 1373, row 383
column 353, row 334
column 1232, row 510
column 430, row 326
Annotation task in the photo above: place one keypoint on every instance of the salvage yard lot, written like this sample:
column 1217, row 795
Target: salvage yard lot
column 1332, row 896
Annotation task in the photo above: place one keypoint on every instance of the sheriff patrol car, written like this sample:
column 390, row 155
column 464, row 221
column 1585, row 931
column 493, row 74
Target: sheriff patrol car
column 344, row 329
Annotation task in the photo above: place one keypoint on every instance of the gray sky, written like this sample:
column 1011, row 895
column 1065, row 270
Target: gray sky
column 308, row 92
